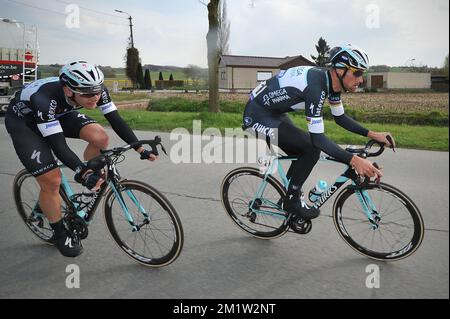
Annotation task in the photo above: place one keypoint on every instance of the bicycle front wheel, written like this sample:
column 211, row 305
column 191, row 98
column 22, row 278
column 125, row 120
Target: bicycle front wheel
column 157, row 236
column 396, row 230
column 253, row 204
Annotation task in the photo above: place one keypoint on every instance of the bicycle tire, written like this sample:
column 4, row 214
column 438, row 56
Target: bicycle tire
column 399, row 201
column 245, row 221
column 175, row 224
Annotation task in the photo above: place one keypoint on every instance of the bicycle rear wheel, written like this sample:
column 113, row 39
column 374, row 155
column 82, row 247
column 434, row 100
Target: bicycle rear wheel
column 158, row 239
column 261, row 217
column 26, row 194
column 399, row 228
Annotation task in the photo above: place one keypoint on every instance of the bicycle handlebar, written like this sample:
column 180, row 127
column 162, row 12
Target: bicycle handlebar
column 364, row 152
column 99, row 161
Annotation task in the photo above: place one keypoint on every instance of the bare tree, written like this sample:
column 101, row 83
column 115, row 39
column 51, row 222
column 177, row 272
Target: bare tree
column 224, row 29
column 213, row 54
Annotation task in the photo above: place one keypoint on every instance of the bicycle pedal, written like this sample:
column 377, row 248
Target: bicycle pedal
column 300, row 226
column 78, row 225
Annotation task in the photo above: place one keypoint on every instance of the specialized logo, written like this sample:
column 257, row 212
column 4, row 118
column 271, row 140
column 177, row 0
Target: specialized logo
column 36, row 156
column 324, row 196
column 68, row 242
column 94, row 198
column 40, row 115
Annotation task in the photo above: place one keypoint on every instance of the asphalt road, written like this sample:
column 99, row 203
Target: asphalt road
column 219, row 260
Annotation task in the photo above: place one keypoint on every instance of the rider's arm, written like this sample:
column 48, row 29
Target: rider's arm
column 109, row 110
column 315, row 95
column 320, row 141
column 342, row 119
column 351, row 125
column 121, row 127
column 57, row 142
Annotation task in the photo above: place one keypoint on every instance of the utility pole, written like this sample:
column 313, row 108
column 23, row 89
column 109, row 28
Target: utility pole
column 131, row 26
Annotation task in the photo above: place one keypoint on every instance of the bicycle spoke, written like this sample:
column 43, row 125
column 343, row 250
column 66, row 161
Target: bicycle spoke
column 395, row 226
column 251, row 210
column 155, row 239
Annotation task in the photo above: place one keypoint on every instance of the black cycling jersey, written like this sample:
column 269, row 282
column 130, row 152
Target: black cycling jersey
column 43, row 111
column 43, row 102
column 299, row 88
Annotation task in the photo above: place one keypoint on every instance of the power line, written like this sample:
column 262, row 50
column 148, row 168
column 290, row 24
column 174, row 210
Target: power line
column 60, row 13
column 93, row 10
column 38, row 8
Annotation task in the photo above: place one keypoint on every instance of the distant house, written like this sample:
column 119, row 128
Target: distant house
column 245, row 72
column 398, row 80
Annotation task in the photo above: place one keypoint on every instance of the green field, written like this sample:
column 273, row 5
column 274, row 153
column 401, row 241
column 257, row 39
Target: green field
column 406, row 136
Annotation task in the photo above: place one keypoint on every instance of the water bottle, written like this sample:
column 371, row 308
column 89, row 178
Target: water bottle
column 315, row 193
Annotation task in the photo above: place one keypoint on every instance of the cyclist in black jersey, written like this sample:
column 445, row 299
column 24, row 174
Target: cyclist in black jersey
column 307, row 88
column 42, row 115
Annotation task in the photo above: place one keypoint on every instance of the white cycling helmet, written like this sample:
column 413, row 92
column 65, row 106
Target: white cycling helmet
column 349, row 56
column 82, row 77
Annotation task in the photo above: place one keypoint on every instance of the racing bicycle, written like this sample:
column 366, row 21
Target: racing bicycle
column 374, row 218
column 140, row 219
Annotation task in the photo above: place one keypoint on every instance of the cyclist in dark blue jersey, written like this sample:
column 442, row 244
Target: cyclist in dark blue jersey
column 307, row 87
column 42, row 115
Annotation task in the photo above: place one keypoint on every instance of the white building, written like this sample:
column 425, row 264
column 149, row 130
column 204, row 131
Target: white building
column 398, row 80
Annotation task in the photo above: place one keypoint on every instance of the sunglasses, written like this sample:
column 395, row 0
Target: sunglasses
column 86, row 95
column 357, row 73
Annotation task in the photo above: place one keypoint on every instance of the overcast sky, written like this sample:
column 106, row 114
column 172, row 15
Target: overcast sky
column 172, row 32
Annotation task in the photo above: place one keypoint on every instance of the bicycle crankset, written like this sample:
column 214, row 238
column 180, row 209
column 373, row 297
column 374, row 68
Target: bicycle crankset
column 300, row 226
column 78, row 225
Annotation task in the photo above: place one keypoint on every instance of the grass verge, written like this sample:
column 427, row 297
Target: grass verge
column 406, row 136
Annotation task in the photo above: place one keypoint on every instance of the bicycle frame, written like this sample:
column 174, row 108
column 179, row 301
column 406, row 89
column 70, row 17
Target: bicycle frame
column 349, row 174
column 112, row 182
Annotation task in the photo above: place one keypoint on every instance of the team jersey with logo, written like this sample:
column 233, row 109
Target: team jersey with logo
column 298, row 88
column 43, row 102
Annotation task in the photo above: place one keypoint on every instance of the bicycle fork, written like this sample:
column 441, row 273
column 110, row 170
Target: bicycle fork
column 368, row 207
column 147, row 217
